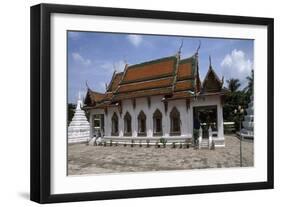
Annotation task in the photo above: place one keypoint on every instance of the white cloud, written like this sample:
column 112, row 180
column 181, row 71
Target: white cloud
column 236, row 65
column 110, row 67
column 78, row 58
column 135, row 39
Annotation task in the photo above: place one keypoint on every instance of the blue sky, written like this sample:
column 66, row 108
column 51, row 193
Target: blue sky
column 93, row 56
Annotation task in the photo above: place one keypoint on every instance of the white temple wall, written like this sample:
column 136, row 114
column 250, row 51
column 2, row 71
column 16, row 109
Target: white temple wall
column 110, row 112
column 186, row 115
column 142, row 105
column 127, row 106
column 156, row 103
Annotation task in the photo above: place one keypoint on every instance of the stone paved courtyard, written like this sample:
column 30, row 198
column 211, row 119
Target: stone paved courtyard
column 85, row 159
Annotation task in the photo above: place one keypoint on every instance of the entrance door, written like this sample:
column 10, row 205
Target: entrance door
column 98, row 125
column 205, row 116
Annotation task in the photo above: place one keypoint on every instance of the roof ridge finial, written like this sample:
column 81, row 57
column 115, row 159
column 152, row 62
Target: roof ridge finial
column 179, row 51
column 210, row 61
column 114, row 66
column 198, row 48
column 88, row 88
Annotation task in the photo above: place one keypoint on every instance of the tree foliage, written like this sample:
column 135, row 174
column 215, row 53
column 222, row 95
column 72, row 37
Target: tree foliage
column 70, row 112
column 236, row 97
column 250, row 86
column 233, row 84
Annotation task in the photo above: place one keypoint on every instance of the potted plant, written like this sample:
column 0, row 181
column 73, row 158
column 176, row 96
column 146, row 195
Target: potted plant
column 163, row 141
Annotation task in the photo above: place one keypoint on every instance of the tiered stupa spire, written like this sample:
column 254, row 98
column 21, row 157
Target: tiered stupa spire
column 79, row 127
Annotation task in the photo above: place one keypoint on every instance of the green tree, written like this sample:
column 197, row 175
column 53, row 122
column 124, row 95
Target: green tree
column 233, row 99
column 250, row 86
column 70, row 112
column 233, row 84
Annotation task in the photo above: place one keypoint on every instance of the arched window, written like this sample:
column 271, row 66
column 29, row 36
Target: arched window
column 141, row 124
column 175, row 122
column 157, row 123
column 114, row 125
column 127, row 124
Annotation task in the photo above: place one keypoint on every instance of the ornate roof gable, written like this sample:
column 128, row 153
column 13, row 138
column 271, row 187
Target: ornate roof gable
column 211, row 83
column 93, row 97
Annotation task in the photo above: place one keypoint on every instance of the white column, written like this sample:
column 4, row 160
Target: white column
column 220, row 121
column 105, row 133
column 166, row 124
column 200, row 137
column 210, row 137
column 134, row 123
column 107, row 124
column 149, row 120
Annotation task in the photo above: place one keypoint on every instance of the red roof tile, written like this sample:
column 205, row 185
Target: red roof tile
column 158, row 83
column 184, row 85
column 93, row 97
column 144, row 93
column 185, row 71
column 116, row 78
column 158, row 77
column 150, row 70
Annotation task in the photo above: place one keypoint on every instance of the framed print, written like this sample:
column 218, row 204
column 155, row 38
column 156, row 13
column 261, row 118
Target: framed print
column 133, row 103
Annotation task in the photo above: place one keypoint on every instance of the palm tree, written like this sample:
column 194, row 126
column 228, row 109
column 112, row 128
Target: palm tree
column 233, row 84
column 250, row 86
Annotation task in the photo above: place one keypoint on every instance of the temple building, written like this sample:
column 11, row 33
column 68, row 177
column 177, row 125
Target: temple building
column 159, row 99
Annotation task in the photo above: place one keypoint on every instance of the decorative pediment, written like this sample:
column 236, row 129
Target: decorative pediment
column 211, row 82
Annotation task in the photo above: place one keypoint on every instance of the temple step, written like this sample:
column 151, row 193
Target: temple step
column 204, row 143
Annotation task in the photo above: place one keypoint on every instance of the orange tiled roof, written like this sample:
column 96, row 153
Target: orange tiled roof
column 180, row 95
column 93, row 97
column 150, row 70
column 167, row 76
column 115, row 82
column 185, row 70
column 184, row 85
column 152, row 84
column 143, row 93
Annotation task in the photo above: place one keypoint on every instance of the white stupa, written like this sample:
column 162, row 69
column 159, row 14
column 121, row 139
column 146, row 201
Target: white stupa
column 248, row 123
column 79, row 127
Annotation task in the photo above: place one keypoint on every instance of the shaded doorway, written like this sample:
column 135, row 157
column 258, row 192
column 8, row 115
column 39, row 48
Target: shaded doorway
column 98, row 125
column 205, row 117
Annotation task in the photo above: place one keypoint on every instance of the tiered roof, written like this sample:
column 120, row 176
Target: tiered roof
column 170, row 76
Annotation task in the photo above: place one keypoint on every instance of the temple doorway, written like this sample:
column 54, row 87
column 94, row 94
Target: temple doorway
column 98, row 125
column 205, row 117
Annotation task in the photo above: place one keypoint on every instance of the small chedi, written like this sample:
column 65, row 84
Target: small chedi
column 248, row 123
column 79, row 127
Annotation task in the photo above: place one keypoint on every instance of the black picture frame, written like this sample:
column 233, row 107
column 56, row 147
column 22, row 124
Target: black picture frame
column 41, row 95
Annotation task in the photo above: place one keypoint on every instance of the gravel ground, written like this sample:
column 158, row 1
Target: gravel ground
column 85, row 159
